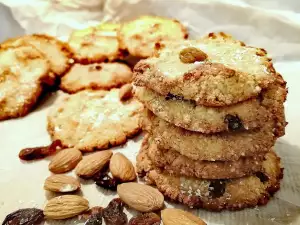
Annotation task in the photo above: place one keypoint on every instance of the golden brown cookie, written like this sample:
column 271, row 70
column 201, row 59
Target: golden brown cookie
column 22, row 72
column 90, row 120
column 96, row 76
column 209, row 71
column 96, row 44
column 141, row 35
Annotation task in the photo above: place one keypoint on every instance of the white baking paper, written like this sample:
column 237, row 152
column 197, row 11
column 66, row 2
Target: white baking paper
column 273, row 25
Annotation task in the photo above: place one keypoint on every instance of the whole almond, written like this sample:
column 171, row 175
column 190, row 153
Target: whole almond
column 140, row 197
column 66, row 206
column 61, row 183
column 65, row 160
column 180, row 217
column 92, row 164
column 126, row 92
column 121, row 168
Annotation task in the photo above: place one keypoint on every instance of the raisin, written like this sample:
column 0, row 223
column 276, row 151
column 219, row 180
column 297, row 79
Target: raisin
column 234, row 122
column 173, row 97
column 191, row 55
column 97, row 210
column 217, row 188
column 28, row 216
column 95, row 219
column 39, row 152
column 113, row 214
column 262, row 177
column 103, row 179
column 145, row 219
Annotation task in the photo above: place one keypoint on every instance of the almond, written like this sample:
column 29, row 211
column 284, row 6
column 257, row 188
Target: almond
column 65, row 160
column 61, row 183
column 180, row 217
column 140, row 197
column 93, row 163
column 66, row 206
column 121, row 168
column 126, row 92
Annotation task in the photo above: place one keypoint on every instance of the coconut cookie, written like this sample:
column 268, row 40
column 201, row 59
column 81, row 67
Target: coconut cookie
column 217, row 195
column 23, row 70
column 96, row 76
column 209, row 71
column 96, row 44
column 141, row 35
column 90, row 120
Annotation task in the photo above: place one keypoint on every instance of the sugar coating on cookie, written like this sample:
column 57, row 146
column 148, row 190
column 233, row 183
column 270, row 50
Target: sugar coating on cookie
column 210, row 71
column 96, row 76
column 22, row 71
column 141, row 35
column 90, row 120
column 96, row 44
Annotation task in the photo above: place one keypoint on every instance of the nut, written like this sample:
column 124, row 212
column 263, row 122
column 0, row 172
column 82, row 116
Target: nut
column 121, row 168
column 140, row 197
column 66, row 206
column 126, row 92
column 65, row 160
column 92, row 164
column 180, row 217
column 61, row 183
column 191, row 55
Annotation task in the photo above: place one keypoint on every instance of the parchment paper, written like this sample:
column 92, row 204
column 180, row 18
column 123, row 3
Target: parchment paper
column 273, row 25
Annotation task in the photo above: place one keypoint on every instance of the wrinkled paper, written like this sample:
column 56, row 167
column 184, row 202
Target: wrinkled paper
column 273, row 25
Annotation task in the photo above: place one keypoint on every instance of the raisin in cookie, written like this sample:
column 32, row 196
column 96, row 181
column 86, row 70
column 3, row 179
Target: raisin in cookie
column 141, row 35
column 96, row 44
column 91, row 120
column 23, row 70
column 96, row 76
column 208, row 71
column 174, row 163
column 217, row 195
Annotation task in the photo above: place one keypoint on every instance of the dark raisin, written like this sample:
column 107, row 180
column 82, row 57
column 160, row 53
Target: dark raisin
column 262, row 177
column 145, row 219
column 28, row 216
column 39, row 152
column 234, row 122
column 103, row 179
column 95, row 219
column 217, row 188
column 97, row 210
column 113, row 214
column 173, row 97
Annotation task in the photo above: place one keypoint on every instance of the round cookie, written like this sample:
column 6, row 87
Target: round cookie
column 221, row 146
column 96, row 76
column 174, row 164
column 90, row 120
column 23, row 70
column 96, row 44
column 217, row 195
column 140, row 36
column 209, row 71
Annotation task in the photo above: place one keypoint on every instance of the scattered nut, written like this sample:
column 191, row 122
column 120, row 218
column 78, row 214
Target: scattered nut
column 126, row 92
column 66, row 206
column 141, row 197
column 180, row 217
column 121, row 168
column 191, row 55
column 92, row 164
column 24, row 216
column 61, row 183
column 65, row 160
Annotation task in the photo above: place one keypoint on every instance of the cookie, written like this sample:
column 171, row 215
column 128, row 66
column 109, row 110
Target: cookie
column 90, row 120
column 208, row 71
column 175, row 164
column 22, row 72
column 217, row 195
column 221, row 146
column 140, row 36
column 58, row 53
column 96, row 44
column 96, row 76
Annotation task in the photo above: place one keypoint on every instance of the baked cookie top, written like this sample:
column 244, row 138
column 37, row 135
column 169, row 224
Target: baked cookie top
column 140, row 36
column 96, row 44
column 22, row 71
column 96, row 76
column 213, row 71
column 90, row 120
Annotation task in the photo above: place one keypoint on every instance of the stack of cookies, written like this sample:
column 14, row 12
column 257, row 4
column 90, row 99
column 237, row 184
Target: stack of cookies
column 214, row 111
